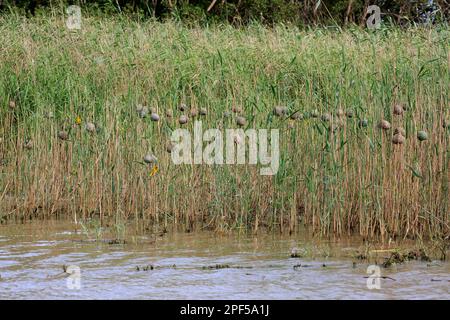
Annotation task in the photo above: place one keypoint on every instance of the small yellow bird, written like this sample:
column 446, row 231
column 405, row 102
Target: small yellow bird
column 78, row 120
column 154, row 170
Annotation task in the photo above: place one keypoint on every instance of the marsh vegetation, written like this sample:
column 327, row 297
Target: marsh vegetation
column 364, row 119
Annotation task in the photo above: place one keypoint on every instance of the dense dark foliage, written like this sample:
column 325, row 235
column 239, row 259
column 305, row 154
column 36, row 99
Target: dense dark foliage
column 302, row 12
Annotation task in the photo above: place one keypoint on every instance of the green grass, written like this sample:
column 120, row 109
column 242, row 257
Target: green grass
column 352, row 180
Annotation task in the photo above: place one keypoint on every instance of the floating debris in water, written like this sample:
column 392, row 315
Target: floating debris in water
column 116, row 241
column 384, row 124
column 90, row 127
column 150, row 158
column 63, row 135
column 183, row 119
column 145, row 268
column 398, row 139
column 393, row 259
column 398, row 109
column 397, row 257
column 418, row 255
column 280, row 111
column 154, row 117
column 217, row 266
column 298, row 266
column 422, row 136
column 240, row 121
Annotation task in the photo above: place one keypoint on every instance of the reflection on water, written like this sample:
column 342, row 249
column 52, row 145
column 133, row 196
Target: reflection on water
column 184, row 267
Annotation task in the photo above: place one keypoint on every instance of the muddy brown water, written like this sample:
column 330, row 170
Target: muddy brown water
column 200, row 265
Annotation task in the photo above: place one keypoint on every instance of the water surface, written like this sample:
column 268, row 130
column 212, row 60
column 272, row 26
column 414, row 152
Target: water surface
column 184, row 267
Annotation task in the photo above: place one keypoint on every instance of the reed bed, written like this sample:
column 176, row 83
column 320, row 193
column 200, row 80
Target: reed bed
column 73, row 141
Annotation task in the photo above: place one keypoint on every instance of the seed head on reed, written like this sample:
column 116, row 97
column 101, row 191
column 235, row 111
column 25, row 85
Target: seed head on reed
column 349, row 113
column 154, row 117
column 183, row 119
column 384, row 124
column 142, row 110
column 334, row 126
column 314, row 113
column 398, row 109
column 193, row 113
column 49, row 115
column 150, row 158
column 28, row 144
column 363, row 123
column 236, row 109
column 280, row 111
column 240, row 121
column 340, row 122
column 63, row 135
column 400, row 130
column 296, row 116
column 340, row 113
column 422, row 135
column 326, row 117
column 169, row 147
column 398, row 139
column 90, row 127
